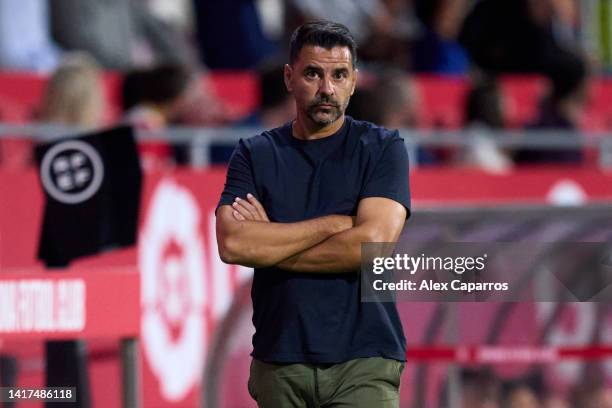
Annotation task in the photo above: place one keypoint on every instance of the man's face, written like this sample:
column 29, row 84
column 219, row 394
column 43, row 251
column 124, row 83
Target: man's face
column 322, row 82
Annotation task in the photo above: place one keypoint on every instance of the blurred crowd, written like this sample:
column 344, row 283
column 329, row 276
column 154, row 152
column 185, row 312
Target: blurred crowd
column 482, row 388
column 162, row 47
column 442, row 36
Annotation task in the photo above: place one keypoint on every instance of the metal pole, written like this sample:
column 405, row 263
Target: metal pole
column 130, row 393
column 605, row 153
column 413, row 152
column 455, row 387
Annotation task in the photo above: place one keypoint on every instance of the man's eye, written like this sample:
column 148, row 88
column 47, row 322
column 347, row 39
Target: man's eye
column 311, row 74
column 340, row 75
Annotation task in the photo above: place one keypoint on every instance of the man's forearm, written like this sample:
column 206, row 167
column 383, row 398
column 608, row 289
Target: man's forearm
column 337, row 254
column 261, row 244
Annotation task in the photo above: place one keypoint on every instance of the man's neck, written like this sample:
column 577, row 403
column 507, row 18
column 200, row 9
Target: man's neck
column 305, row 129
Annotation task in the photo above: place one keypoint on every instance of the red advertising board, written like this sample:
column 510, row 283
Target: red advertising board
column 75, row 304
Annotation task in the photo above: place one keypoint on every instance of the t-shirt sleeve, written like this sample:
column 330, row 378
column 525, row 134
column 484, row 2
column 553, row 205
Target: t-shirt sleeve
column 239, row 180
column 390, row 178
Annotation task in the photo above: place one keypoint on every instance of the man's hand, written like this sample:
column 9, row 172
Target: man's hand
column 249, row 209
column 246, row 236
column 378, row 220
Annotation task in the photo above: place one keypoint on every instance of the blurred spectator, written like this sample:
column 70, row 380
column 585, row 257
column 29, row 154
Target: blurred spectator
column 561, row 109
column 359, row 16
column 202, row 107
column 438, row 50
column 595, row 396
column 272, row 17
column 480, row 388
column 387, row 100
column 176, row 13
column 484, row 112
column 484, row 104
column 380, row 27
column 276, row 107
column 25, row 37
column 402, row 99
column 565, row 23
column 230, row 34
column 515, row 35
column 555, row 401
column 520, row 395
column 367, row 103
column 152, row 100
column 74, row 94
column 120, row 34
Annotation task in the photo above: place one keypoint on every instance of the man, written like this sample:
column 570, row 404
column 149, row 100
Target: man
column 298, row 202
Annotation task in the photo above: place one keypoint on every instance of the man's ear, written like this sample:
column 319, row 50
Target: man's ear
column 287, row 74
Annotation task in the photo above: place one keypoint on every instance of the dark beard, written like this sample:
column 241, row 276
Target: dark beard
column 335, row 111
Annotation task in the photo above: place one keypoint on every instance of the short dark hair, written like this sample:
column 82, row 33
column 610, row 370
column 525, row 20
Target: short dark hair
column 167, row 82
column 322, row 33
column 271, row 86
column 160, row 84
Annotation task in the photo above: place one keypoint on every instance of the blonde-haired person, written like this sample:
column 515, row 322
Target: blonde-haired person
column 74, row 94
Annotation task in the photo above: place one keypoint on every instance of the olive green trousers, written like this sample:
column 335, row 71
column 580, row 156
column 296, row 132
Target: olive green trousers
column 360, row 383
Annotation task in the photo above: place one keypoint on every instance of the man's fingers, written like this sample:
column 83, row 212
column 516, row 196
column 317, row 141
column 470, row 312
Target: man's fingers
column 258, row 206
column 248, row 215
column 252, row 211
column 238, row 216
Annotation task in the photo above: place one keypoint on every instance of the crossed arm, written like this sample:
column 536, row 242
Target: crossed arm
column 328, row 244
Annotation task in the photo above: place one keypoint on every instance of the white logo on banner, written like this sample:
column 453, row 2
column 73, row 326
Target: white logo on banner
column 566, row 192
column 171, row 262
column 71, row 172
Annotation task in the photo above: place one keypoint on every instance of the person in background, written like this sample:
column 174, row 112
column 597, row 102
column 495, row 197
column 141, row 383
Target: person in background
column 591, row 396
column 73, row 97
column 479, row 388
column 555, row 401
column 438, row 49
column 243, row 44
column 276, row 108
column 483, row 114
column 520, row 395
column 120, row 34
column 387, row 97
column 152, row 99
column 74, row 94
column 383, row 28
column 25, row 37
column 518, row 36
column 560, row 109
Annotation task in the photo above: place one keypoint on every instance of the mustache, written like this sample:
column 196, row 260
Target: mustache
column 324, row 101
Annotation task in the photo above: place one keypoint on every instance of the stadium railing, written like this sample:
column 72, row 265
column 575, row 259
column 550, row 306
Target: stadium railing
column 200, row 139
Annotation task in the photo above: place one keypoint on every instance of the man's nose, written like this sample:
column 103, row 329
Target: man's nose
column 326, row 87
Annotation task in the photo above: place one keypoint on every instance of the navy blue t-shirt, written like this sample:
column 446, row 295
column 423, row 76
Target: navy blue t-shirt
column 319, row 318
